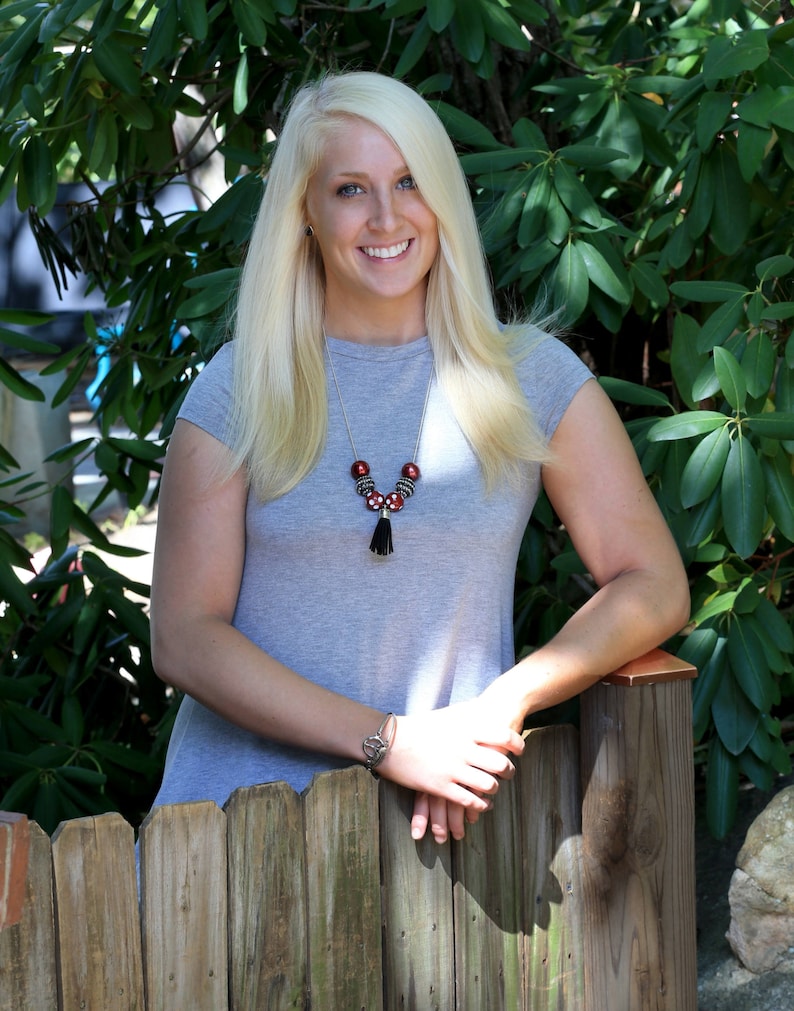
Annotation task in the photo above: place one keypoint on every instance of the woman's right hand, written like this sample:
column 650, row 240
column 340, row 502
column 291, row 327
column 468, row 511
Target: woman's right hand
column 455, row 759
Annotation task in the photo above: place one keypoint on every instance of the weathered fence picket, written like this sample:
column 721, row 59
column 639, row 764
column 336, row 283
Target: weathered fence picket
column 575, row 893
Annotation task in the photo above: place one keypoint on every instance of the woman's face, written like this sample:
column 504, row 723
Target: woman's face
column 377, row 237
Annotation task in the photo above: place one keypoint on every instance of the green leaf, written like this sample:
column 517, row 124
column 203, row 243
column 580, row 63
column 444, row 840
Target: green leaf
column 620, row 130
column 743, row 509
column 252, row 27
column 758, row 364
column 649, row 280
column 703, row 524
column 15, row 592
column 440, row 13
column 775, row 625
column 703, row 469
column 709, row 291
column 711, row 666
column 590, row 156
column 751, row 147
column 632, row 393
column 779, row 483
column 193, row 15
column 503, row 28
column 17, row 383
column 468, row 32
column 60, row 518
column 730, row 219
column 16, row 45
column 686, row 361
column 728, row 56
column 161, row 41
column 575, row 196
column 751, row 666
column 772, row 425
column 735, row 717
column 721, row 324
column 487, row 163
column 712, row 114
column 240, row 92
column 558, row 224
column 533, row 214
column 685, row 425
column 570, row 283
column 116, row 64
column 757, row 107
column 465, row 129
column 779, row 265
column 731, row 378
column 601, row 273
column 415, row 47
column 38, row 167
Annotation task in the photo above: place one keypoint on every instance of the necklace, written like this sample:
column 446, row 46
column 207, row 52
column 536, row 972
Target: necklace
column 405, row 486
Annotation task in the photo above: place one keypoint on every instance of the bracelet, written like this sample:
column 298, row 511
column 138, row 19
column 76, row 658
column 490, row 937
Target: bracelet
column 376, row 745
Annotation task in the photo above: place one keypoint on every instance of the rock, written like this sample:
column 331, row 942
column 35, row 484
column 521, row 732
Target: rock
column 761, row 893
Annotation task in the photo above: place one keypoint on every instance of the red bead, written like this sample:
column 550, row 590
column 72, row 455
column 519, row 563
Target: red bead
column 374, row 501
column 360, row 468
column 412, row 471
column 395, row 501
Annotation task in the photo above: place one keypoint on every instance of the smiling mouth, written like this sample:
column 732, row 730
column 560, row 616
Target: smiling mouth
column 386, row 252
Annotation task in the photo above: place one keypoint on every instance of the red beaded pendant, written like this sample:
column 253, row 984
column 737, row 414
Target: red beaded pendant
column 381, row 543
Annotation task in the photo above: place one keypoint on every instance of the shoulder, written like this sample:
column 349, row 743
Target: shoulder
column 209, row 398
column 549, row 373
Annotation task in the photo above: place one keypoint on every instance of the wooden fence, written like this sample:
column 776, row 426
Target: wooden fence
column 576, row 892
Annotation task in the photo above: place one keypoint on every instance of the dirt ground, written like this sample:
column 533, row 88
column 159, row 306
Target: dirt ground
column 723, row 983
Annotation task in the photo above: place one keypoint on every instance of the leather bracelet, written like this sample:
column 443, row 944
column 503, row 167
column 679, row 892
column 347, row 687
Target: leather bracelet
column 376, row 745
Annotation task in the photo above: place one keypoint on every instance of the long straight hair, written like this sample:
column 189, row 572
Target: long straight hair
column 280, row 411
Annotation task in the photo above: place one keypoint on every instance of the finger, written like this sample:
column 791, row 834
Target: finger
column 439, row 824
column 473, row 816
column 420, row 816
column 456, row 820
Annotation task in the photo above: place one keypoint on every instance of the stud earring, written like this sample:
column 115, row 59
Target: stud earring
column 309, row 231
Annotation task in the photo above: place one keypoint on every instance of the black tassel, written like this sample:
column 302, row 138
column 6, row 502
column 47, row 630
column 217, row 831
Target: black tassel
column 381, row 543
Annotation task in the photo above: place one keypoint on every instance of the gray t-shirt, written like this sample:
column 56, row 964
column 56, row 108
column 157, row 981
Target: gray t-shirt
column 426, row 626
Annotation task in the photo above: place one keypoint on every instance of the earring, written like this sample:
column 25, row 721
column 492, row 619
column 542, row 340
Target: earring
column 309, row 231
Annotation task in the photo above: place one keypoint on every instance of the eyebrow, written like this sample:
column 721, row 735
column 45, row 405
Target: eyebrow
column 354, row 174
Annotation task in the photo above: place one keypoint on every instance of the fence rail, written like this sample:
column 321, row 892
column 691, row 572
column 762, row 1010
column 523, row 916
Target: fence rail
column 576, row 892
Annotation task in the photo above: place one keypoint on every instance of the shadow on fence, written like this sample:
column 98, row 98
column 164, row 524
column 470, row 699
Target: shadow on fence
column 576, row 892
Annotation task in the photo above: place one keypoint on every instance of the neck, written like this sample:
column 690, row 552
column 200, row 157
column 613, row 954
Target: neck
column 388, row 329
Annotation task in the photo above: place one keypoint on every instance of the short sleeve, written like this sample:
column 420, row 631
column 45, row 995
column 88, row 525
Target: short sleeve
column 551, row 374
column 208, row 401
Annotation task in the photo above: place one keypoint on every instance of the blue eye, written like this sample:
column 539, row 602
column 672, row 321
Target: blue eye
column 348, row 190
column 407, row 183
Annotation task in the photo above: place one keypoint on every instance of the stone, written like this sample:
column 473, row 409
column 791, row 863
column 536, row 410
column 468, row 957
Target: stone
column 761, row 894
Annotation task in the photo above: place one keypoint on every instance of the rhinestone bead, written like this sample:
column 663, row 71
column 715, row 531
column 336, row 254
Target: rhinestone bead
column 405, row 486
column 365, row 484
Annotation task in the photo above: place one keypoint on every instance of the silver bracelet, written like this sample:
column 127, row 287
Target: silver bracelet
column 376, row 745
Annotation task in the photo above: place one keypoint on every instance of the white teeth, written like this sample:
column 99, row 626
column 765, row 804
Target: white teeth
column 386, row 254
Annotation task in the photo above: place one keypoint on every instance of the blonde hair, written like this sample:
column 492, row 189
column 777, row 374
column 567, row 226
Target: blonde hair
column 280, row 406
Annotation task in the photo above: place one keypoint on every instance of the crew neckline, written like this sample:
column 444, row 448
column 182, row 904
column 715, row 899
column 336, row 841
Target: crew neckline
column 378, row 352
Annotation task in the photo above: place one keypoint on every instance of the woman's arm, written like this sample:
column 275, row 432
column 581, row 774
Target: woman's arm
column 599, row 492
column 198, row 567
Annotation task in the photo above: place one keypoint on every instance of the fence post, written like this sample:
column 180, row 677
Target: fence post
column 638, row 838
column 27, row 946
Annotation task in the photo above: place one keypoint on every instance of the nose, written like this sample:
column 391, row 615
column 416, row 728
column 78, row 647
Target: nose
column 385, row 213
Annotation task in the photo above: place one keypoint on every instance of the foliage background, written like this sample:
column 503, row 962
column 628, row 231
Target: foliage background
column 630, row 162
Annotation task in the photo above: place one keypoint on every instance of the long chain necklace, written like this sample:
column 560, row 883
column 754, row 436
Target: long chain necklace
column 405, row 486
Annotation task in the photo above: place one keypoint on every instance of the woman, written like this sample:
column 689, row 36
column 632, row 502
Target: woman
column 367, row 358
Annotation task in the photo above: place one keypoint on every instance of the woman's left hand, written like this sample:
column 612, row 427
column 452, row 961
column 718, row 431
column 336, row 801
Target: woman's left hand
column 442, row 817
